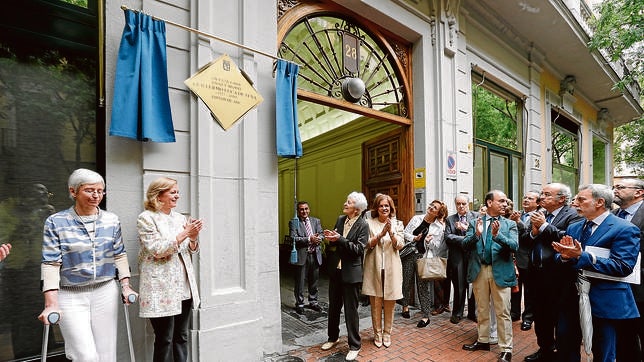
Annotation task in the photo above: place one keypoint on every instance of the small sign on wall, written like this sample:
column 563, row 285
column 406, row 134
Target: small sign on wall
column 419, row 178
column 451, row 164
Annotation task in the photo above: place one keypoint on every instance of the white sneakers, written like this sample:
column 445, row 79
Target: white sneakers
column 328, row 345
column 352, row 355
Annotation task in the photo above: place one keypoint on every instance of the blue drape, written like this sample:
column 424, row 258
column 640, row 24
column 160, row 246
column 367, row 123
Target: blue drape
column 141, row 107
column 288, row 139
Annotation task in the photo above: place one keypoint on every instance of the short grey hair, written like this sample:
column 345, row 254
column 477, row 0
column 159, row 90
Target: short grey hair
column 600, row 191
column 83, row 176
column 564, row 190
column 635, row 182
column 359, row 200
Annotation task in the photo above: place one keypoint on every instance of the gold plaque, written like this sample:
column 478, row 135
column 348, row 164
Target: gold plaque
column 225, row 90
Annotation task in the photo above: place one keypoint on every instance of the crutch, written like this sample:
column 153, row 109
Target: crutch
column 130, row 298
column 52, row 318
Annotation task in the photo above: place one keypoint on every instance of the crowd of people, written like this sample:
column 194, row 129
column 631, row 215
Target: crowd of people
column 540, row 255
column 498, row 260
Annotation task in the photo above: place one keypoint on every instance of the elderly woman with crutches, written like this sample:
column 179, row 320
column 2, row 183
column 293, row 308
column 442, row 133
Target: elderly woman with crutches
column 82, row 254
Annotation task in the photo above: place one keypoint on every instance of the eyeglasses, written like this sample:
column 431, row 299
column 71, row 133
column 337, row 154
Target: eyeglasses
column 91, row 192
column 621, row 187
column 547, row 194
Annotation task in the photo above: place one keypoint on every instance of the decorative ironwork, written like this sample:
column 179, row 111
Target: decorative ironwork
column 316, row 43
column 285, row 5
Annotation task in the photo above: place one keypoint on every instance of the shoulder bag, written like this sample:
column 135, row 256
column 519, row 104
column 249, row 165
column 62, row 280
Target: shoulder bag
column 431, row 267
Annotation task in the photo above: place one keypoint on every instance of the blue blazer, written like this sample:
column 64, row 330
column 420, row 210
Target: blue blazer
column 506, row 242
column 609, row 299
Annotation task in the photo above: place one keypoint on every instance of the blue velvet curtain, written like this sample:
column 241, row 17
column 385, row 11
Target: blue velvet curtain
column 141, row 107
column 288, row 139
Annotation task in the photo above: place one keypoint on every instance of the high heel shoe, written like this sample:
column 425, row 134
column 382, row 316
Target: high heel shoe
column 386, row 340
column 422, row 323
column 377, row 340
column 405, row 314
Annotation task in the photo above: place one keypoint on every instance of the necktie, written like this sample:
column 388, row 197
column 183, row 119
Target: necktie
column 586, row 231
column 487, row 255
column 309, row 232
column 463, row 219
column 622, row 213
column 549, row 217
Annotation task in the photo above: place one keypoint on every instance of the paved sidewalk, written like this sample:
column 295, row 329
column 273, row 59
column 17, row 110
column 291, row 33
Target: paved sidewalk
column 303, row 335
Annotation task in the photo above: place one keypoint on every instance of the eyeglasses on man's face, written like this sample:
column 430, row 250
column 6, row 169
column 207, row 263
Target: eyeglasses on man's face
column 621, row 187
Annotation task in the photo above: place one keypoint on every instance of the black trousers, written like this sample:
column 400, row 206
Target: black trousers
column 344, row 295
column 171, row 335
column 457, row 275
column 525, row 289
column 630, row 337
column 310, row 272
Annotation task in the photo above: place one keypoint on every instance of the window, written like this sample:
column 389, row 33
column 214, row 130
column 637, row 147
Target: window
column 599, row 160
column 565, row 151
column 48, row 124
column 498, row 158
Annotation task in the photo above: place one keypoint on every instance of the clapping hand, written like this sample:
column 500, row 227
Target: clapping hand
column 568, row 247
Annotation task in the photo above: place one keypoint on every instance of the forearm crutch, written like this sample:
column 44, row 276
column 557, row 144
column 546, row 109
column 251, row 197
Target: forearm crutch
column 52, row 318
column 130, row 298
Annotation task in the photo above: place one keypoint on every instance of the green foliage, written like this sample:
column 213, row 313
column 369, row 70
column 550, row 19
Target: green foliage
column 496, row 118
column 81, row 3
column 619, row 31
column 629, row 149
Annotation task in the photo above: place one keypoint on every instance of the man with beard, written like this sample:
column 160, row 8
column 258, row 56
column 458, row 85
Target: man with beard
column 492, row 239
column 629, row 195
column 554, row 286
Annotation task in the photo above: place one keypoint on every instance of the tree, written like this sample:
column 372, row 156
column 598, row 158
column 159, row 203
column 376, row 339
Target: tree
column 619, row 33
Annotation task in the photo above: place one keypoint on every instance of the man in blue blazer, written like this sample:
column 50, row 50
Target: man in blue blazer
column 306, row 234
column 492, row 240
column 612, row 302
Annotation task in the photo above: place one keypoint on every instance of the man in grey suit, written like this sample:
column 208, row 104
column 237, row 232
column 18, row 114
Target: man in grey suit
column 455, row 228
column 556, row 318
column 306, row 235
column 492, row 240
column 629, row 195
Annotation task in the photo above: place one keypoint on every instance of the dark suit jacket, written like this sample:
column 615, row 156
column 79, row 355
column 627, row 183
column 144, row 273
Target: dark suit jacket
column 505, row 243
column 638, row 220
column 609, row 299
column 298, row 234
column 350, row 250
column 454, row 238
column 554, row 231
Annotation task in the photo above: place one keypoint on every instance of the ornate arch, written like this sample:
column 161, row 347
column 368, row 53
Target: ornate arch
column 315, row 35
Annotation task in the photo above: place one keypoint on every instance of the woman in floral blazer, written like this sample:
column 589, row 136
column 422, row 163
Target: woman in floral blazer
column 168, row 287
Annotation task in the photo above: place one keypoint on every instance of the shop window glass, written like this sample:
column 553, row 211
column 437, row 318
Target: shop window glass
column 47, row 129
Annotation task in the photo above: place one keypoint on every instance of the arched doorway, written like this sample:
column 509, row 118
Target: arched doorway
column 352, row 141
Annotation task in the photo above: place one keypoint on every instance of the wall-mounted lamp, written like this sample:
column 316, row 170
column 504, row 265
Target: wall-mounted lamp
column 353, row 89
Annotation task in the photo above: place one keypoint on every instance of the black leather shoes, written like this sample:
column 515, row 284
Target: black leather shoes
column 540, row 355
column 405, row 314
column 455, row 319
column 477, row 346
column 505, row 357
column 526, row 325
column 422, row 323
column 316, row 307
column 472, row 318
column 299, row 310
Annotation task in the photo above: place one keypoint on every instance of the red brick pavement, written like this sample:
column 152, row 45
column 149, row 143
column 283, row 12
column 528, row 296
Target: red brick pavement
column 440, row 341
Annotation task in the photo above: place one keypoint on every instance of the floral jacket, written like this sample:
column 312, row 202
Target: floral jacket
column 163, row 268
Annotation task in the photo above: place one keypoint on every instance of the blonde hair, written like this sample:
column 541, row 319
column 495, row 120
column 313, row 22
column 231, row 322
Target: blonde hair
column 156, row 188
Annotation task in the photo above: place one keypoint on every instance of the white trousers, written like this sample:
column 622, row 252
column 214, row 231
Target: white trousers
column 88, row 321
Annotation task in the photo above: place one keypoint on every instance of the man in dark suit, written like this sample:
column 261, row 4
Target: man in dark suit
column 455, row 229
column 306, row 235
column 629, row 195
column 530, row 204
column 344, row 258
column 554, row 290
column 492, row 240
column 612, row 302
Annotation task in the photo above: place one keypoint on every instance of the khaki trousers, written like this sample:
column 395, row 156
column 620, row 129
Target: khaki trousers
column 485, row 288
